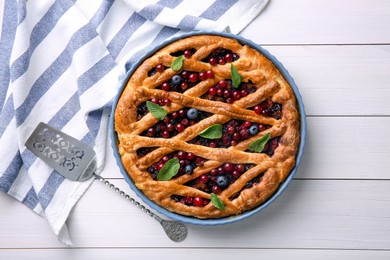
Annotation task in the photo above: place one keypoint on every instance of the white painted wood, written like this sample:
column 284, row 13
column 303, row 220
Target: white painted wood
column 336, row 147
column 346, row 148
column 191, row 254
column 322, row 22
column 340, row 80
column 310, row 214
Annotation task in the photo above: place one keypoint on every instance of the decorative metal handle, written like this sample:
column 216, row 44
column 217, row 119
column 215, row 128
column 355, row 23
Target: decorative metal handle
column 175, row 230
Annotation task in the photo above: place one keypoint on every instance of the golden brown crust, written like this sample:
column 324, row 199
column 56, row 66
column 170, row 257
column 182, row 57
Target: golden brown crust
column 253, row 67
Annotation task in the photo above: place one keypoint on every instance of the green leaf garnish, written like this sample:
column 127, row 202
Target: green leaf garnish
column 177, row 63
column 236, row 77
column 170, row 169
column 157, row 111
column 212, row 132
column 258, row 145
column 217, row 202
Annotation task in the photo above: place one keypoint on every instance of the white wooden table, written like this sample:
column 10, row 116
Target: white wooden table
column 338, row 205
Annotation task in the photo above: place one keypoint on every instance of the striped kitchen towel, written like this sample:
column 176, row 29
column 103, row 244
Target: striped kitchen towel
column 62, row 62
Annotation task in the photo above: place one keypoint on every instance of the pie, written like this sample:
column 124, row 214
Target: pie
column 229, row 128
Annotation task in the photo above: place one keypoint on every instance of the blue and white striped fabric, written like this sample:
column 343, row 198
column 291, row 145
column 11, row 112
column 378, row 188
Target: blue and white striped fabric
column 61, row 62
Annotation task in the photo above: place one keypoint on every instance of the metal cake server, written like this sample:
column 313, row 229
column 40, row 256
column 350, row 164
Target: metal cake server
column 76, row 161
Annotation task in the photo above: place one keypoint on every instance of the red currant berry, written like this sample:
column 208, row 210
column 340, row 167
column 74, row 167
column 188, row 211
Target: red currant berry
column 213, row 61
column 190, row 156
column 151, row 132
column 264, row 112
column 185, row 74
column 244, row 133
column 180, row 127
column 170, row 127
column 233, row 142
column 228, row 167
column 236, row 136
column 213, row 144
column 262, row 127
column 167, row 119
column 231, row 130
column 199, row 161
column 198, row 201
column 187, row 54
column 166, row 86
column 210, row 74
column 160, row 165
column 160, row 67
column 188, row 200
column 165, row 134
column 202, row 76
column 167, row 101
column 246, row 124
column 193, row 77
column 221, row 61
column 154, row 100
column 181, row 155
column 230, row 100
column 228, row 57
column 240, row 167
column 216, row 189
column 175, row 114
column 236, row 174
column 244, row 93
column 257, row 109
column 185, row 122
column 219, row 92
column 214, row 172
column 212, row 91
column 236, row 95
column 182, row 113
column 204, row 178
column 165, row 158
column 226, row 93
column 184, row 85
column 222, row 83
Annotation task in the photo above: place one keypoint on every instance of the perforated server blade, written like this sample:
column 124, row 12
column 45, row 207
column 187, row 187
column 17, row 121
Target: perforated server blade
column 76, row 161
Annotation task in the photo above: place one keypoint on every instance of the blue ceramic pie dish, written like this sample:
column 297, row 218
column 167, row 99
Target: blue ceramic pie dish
column 225, row 220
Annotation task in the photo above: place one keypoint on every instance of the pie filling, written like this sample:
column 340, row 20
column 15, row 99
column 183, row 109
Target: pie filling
column 233, row 131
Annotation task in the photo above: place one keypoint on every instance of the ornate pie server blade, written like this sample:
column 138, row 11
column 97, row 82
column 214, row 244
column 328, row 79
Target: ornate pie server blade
column 76, row 161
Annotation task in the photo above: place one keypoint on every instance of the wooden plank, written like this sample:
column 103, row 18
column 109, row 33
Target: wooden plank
column 310, row 214
column 339, row 80
column 190, row 254
column 322, row 22
column 336, row 147
column 346, row 148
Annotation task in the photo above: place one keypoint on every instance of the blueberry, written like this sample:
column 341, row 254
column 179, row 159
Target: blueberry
column 188, row 169
column 176, row 79
column 276, row 107
column 222, row 181
column 254, row 129
column 192, row 113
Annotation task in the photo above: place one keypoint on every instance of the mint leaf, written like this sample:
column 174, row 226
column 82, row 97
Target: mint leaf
column 258, row 145
column 157, row 111
column 212, row 132
column 177, row 63
column 236, row 77
column 217, row 202
column 170, row 169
